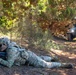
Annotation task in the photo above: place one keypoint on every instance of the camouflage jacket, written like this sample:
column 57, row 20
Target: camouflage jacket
column 15, row 55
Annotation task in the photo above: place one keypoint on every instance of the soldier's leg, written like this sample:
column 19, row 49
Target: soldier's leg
column 39, row 62
column 46, row 58
column 49, row 58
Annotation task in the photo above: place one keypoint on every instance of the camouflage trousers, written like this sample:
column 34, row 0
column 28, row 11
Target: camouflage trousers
column 41, row 61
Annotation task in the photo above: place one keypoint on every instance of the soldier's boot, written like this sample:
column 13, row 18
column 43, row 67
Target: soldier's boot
column 60, row 65
column 67, row 65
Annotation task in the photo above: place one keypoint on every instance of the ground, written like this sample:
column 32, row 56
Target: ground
column 65, row 55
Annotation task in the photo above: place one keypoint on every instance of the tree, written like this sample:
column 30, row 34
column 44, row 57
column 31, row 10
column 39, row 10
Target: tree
column 49, row 14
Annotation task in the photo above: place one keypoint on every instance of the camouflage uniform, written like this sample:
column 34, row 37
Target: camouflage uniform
column 18, row 56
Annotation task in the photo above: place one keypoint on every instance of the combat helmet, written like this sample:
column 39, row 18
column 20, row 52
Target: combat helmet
column 4, row 40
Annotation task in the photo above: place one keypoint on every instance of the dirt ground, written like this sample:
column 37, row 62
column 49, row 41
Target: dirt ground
column 64, row 55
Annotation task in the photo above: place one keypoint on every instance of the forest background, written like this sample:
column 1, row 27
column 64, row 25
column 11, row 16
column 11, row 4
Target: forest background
column 34, row 22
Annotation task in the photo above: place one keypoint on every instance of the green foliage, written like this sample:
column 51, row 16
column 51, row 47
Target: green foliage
column 42, row 4
column 69, row 12
column 59, row 9
column 5, row 23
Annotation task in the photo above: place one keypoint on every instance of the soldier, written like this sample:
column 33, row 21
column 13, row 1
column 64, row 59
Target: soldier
column 16, row 55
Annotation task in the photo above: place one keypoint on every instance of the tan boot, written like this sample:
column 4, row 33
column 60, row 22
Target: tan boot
column 66, row 65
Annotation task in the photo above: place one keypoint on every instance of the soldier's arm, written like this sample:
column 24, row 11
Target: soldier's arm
column 11, row 56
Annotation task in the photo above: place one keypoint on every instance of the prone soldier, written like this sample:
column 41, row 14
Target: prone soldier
column 16, row 55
